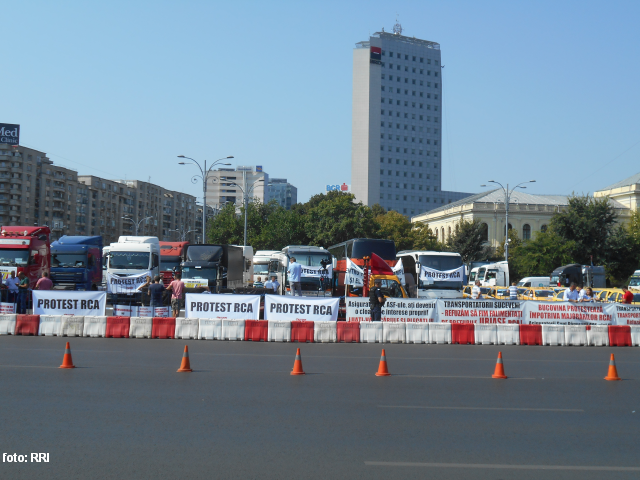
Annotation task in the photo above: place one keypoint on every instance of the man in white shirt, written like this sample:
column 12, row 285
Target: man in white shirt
column 475, row 291
column 513, row 291
column 295, row 274
column 273, row 284
column 12, row 283
column 571, row 294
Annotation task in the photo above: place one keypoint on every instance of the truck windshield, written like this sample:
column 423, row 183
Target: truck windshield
column 69, row 260
column 441, row 263
column 199, row 273
column 472, row 277
column 310, row 259
column 260, row 268
column 555, row 279
column 14, row 257
column 634, row 282
column 129, row 260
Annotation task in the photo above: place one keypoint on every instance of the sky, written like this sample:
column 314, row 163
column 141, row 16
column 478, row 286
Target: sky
column 544, row 90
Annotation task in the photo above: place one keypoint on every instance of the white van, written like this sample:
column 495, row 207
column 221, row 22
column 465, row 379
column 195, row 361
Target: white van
column 534, row 282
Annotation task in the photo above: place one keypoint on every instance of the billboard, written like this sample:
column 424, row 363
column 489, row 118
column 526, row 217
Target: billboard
column 10, row 133
column 376, row 55
column 339, row 188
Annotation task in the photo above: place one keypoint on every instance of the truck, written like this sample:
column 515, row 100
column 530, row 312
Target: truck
column 316, row 269
column 132, row 256
column 261, row 264
column 213, row 268
column 25, row 249
column 431, row 274
column 494, row 274
column 76, row 263
column 582, row 275
column 634, row 281
column 171, row 255
column 247, row 269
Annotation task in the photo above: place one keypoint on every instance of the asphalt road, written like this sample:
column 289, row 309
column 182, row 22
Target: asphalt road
column 126, row 413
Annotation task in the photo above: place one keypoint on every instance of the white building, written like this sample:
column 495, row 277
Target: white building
column 222, row 185
column 396, row 152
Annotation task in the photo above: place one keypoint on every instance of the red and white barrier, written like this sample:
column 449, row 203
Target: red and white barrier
column 95, row 326
column 302, row 331
column 49, row 325
column 508, row 334
column 256, row 330
column 7, row 324
column 325, row 332
column 279, row 331
column 348, row 332
column 619, row 335
column 71, row 326
column 394, row 332
column 463, row 333
column 417, row 332
column 209, row 329
column 140, row 327
column 233, row 329
column 635, row 335
column 440, row 333
column 530, row 334
column 118, row 327
column 575, row 335
column 163, row 327
column 553, row 335
column 598, row 335
column 486, row 334
column 186, row 328
column 370, row 332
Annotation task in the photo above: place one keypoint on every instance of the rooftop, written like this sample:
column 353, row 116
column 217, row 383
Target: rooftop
column 627, row 182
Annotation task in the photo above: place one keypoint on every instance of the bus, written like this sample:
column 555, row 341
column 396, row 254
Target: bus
column 431, row 286
column 316, row 269
column 355, row 250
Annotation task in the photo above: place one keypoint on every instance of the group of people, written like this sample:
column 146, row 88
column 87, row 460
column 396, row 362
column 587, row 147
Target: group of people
column 155, row 289
column 18, row 288
column 272, row 284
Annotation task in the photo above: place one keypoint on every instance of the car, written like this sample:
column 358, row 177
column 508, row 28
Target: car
column 539, row 294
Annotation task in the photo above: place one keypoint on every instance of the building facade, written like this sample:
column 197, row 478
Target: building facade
column 396, row 150
column 222, row 185
column 282, row 192
column 626, row 192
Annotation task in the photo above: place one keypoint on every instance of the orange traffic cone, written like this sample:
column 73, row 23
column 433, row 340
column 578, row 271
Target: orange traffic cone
column 499, row 371
column 185, row 366
column 382, row 367
column 66, row 360
column 613, row 371
column 297, row 365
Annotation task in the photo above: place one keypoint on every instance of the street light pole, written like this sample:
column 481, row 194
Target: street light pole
column 507, row 199
column 136, row 224
column 245, row 194
column 204, row 171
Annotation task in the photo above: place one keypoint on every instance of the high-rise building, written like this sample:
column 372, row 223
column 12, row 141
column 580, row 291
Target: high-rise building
column 222, row 185
column 396, row 152
column 283, row 192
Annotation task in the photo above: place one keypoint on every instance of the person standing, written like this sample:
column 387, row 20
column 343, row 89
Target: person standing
column 12, row 286
column 23, row 291
column 627, row 296
column 177, row 292
column 273, row 284
column 571, row 294
column 44, row 283
column 376, row 301
column 295, row 272
column 156, row 289
column 476, row 293
column 259, row 283
column 513, row 291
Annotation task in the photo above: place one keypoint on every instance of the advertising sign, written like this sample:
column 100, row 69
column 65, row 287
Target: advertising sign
column 195, row 282
column 10, row 133
column 226, row 307
column 68, row 302
column 277, row 307
column 127, row 285
column 338, row 188
column 409, row 310
column 6, row 272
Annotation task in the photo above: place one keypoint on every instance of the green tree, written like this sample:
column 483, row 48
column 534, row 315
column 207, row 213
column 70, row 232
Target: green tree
column 468, row 239
column 425, row 239
column 541, row 255
column 395, row 226
column 283, row 227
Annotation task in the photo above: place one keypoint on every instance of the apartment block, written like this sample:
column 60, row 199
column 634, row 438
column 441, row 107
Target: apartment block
column 282, row 192
column 226, row 185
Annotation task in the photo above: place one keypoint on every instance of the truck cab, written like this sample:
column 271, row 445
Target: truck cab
column 494, row 274
column 316, row 269
column 634, row 281
column 25, row 249
column 171, row 255
column 261, row 261
column 582, row 275
column 213, row 268
column 131, row 256
column 76, row 263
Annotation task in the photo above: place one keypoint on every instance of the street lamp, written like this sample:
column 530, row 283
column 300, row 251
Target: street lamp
column 182, row 234
column 245, row 195
column 204, row 172
column 507, row 199
column 136, row 224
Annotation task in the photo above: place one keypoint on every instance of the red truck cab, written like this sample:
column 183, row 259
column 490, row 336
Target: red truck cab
column 25, row 249
column 171, row 256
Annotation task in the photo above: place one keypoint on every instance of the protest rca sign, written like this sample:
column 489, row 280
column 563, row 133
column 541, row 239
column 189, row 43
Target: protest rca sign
column 234, row 307
column 277, row 307
column 127, row 285
column 69, row 302
column 411, row 310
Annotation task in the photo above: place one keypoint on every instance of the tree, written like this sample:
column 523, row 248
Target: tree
column 541, row 255
column 424, row 238
column 468, row 239
column 514, row 243
column 395, row 226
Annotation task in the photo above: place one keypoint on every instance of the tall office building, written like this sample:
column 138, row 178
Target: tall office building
column 223, row 185
column 283, row 192
column 397, row 117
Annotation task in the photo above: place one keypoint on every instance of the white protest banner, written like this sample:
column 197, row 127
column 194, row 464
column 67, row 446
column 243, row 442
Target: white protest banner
column 623, row 314
column 69, row 302
column 480, row 311
column 122, row 311
column 354, row 275
column 160, row 311
column 568, row 313
column 316, row 272
column 195, row 282
column 127, row 285
column 6, row 272
column 399, row 271
column 226, row 307
column 7, row 308
column 277, row 307
column 429, row 275
column 394, row 310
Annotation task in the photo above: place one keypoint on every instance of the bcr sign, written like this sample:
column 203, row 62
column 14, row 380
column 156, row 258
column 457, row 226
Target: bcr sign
column 9, row 133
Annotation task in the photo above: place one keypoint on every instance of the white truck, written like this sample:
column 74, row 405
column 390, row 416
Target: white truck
column 261, row 261
column 431, row 274
column 494, row 274
column 132, row 257
column 316, row 269
column 634, row 281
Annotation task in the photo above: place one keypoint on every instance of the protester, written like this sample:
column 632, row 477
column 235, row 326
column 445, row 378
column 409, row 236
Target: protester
column 145, row 285
column 295, row 271
column 23, row 290
column 44, row 283
column 580, row 291
column 376, row 301
column 259, row 283
column 12, row 286
column 513, row 291
column 476, row 293
column 587, row 295
column 273, row 284
column 156, row 290
column 627, row 297
column 571, row 294
column 177, row 292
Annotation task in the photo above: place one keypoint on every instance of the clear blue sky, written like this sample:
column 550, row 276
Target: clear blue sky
column 547, row 90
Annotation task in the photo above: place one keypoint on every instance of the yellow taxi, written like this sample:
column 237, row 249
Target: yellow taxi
column 499, row 293
column 484, row 291
column 540, row 294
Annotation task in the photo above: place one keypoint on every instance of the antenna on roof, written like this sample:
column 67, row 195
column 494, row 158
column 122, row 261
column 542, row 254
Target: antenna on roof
column 397, row 28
